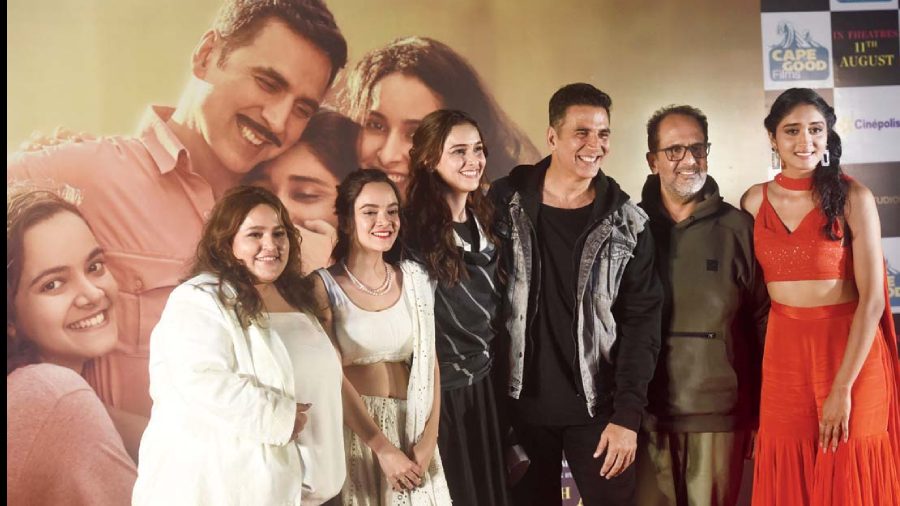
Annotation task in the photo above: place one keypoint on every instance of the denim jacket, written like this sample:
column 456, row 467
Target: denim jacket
column 618, row 295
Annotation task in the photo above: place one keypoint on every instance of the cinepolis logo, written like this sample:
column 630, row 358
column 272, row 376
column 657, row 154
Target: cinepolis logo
column 876, row 124
column 797, row 57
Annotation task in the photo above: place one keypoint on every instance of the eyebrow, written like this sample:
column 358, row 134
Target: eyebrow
column 293, row 178
column 62, row 268
column 260, row 227
column 392, row 204
column 283, row 83
column 817, row 123
column 406, row 122
column 464, row 145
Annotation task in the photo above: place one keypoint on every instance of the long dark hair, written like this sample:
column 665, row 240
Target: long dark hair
column 215, row 255
column 25, row 208
column 829, row 188
column 347, row 193
column 452, row 79
column 429, row 220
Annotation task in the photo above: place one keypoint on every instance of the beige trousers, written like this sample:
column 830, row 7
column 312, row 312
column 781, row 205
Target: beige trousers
column 690, row 469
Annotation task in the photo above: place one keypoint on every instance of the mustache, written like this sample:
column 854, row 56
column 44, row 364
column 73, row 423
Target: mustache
column 261, row 130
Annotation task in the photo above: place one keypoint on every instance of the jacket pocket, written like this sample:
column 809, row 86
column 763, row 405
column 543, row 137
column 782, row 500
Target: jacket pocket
column 700, row 377
column 701, row 335
column 614, row 259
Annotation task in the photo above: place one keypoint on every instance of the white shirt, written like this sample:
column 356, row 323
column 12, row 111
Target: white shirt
column 317, row 381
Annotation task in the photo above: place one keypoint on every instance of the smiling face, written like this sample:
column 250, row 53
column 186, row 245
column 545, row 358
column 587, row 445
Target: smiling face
column 581, row 141
column 376, row 217
column 801, row 138
column 66, row 298
column 256, row 103
column 304, row 184
column 681, row 180
column 462, row 159
column 399, row 102
column 261, row 244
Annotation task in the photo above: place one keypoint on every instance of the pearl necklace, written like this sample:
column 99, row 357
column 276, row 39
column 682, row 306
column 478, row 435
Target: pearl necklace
column 381, row 290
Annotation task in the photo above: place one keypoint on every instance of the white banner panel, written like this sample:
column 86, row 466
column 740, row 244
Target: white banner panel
column 797, row 50
column 869, row 123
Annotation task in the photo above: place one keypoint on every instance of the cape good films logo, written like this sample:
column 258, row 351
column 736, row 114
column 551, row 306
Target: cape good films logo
column 797, row 57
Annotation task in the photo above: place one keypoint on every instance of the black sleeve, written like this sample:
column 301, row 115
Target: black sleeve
column 498, row 194
column 637, row 311
column 758, row 307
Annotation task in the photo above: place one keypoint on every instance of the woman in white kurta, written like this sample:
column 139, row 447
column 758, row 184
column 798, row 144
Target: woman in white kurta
column 246, row 392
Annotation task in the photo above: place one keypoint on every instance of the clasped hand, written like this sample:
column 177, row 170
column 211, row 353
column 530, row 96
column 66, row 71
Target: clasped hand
column 401, row 472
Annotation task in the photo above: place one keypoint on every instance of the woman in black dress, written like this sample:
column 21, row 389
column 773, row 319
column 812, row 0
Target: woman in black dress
column 450, row 234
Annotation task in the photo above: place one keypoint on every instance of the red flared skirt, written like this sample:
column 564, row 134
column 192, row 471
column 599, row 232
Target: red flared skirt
column 804, row 349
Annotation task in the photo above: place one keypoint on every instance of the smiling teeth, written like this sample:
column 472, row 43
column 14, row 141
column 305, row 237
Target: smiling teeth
column 93, row 321
column 397, row 178
column 267, row 259
column 382, row 234
column 469, row 173
column 251, row 136
column 588, row 159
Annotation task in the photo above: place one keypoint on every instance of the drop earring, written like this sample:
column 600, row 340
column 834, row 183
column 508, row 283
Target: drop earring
column 776, row 160
column 826, row 158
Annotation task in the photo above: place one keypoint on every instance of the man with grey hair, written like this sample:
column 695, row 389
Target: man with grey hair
column 704, row 397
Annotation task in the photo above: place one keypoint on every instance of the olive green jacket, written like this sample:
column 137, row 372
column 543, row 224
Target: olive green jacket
column 714, row 317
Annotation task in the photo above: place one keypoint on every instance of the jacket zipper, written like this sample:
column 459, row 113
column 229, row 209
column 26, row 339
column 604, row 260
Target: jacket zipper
column 704, row 335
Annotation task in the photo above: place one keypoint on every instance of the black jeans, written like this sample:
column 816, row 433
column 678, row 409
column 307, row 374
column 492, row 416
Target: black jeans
column 545, row 445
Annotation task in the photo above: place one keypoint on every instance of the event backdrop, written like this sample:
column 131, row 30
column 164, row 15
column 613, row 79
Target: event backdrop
column 94, row 65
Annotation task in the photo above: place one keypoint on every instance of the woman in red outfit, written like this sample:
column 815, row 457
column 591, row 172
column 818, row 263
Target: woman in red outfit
column 829, row 413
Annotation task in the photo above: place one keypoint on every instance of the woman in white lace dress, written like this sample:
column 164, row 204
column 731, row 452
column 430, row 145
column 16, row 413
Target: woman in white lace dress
column 381, row 317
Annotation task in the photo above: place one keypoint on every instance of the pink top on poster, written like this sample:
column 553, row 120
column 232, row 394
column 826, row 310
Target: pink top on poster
column 146, row 207
column 62, row 447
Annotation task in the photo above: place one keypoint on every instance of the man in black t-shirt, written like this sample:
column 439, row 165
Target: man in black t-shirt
column 583, row 309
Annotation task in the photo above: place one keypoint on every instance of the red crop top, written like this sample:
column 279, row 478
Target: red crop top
column 804, row 254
